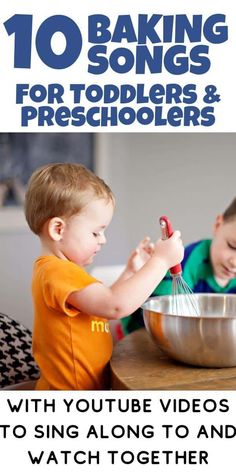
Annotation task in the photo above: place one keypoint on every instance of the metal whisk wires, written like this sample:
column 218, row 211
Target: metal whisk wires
column 184, row 301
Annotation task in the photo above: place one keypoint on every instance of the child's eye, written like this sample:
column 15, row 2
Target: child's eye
column 98, row 234
column 231, row 246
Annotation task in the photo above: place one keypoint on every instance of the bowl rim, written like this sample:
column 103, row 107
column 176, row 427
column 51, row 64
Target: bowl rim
column 203, row 295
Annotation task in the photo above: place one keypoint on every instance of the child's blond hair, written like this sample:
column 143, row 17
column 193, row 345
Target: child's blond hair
column 61, row 190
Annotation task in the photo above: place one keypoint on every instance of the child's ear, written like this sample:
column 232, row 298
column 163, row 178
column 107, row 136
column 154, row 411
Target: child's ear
column 218, row 222
column 56, row 227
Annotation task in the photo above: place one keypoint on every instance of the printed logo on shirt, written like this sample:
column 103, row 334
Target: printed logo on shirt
column 100, row 326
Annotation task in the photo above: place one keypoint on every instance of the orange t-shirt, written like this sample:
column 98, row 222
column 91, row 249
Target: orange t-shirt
column 71, row 348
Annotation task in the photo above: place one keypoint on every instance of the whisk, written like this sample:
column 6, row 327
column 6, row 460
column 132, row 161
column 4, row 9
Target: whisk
column 183, row 301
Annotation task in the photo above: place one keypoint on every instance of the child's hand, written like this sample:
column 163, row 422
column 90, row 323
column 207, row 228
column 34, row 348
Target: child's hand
column 171, row 250
column 140, row 255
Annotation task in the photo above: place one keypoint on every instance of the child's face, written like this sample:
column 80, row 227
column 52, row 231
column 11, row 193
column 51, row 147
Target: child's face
column 83, row 235
column 223, row 251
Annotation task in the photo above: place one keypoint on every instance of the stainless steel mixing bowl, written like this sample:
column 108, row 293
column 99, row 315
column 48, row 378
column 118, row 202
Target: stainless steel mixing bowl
column 208, row 340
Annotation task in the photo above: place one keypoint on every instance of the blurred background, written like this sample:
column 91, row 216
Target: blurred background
column 189, row 177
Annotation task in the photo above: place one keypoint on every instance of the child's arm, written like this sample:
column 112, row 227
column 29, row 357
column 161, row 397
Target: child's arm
column 125, row 296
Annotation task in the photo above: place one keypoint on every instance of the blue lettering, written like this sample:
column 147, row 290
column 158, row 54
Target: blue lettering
column 202, row 62
column 146, row 29
column 96, row 55
column 78, row 118
column 176, row 64
column 145, row 115
column 220, row 35
column 27, row 114
column 124, row 30
column 98, row 32
column 111, row 93
column 115, row 57
column 184, row 27
column 73, row 38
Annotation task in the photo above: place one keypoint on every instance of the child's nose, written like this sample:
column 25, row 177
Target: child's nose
column 102, row 239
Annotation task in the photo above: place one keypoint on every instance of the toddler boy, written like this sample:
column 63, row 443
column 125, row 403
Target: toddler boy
column 69, row 208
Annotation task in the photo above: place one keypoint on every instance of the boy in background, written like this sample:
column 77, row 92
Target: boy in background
column 209, row 265
column 69, row 208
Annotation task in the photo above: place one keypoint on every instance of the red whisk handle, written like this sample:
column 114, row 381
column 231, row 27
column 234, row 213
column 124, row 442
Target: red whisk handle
column 176, row 270
column 166, row 233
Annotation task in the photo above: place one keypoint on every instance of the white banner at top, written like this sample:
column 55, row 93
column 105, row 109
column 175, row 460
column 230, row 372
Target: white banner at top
column 117, row 66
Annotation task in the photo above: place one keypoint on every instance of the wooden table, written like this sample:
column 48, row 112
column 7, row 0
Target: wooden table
column 138, row 364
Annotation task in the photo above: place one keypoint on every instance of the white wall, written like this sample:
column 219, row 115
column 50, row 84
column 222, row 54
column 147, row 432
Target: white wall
column 18, row 249
column 189, row 177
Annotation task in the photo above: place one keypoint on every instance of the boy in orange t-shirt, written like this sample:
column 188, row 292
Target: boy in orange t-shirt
column 69, row 208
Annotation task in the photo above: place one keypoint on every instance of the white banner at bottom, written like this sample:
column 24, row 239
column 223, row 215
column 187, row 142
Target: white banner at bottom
column 118, row 430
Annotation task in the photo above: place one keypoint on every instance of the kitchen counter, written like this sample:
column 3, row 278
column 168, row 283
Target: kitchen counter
column 138, row 364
